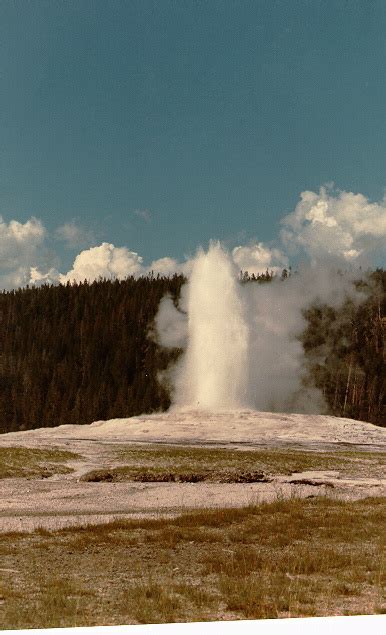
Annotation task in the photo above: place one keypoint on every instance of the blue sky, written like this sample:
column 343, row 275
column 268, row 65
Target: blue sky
column 160, row 125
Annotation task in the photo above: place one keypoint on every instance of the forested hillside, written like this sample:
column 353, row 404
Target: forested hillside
column 76, row 354
column 346, row 354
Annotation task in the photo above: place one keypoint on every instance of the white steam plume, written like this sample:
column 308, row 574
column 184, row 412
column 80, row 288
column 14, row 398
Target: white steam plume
column 212, row 375
column 241, row 342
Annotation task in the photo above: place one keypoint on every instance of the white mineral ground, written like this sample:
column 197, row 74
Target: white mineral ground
column 63, row 500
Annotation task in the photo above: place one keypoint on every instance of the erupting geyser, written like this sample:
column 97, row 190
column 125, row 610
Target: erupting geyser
column 242, row 343
column 214, row 368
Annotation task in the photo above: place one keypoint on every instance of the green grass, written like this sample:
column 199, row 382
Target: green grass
column 289, row 558
column 33, row 462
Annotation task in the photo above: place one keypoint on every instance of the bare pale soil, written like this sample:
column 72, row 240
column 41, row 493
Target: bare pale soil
column 105, row 481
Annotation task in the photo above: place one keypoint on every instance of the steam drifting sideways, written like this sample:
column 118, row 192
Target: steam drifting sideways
column 241, row 346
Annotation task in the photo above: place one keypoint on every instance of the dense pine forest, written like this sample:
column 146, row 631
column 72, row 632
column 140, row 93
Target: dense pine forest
column 80, row 353
column 346, row 353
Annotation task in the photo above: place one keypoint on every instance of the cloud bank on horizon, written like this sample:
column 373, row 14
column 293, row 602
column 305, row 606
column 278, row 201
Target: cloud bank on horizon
column 331, row 225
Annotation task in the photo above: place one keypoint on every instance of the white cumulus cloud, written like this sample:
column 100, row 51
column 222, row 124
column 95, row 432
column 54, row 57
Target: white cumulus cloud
column 104, row 261
column 20, row 249
column 327, row 226
column 335, row 225
column 169, row 266
column 164, row 266
column 257, row 258
column 38, row 277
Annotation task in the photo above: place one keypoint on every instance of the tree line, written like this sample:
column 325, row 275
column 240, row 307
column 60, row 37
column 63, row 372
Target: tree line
column 346, row 353
column 79, row 353
column 73, row 354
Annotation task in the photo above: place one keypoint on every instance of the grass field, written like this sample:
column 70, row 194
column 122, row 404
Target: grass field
column 148, row 463
column 170, row 463
column 33, row 462
column 289, row 558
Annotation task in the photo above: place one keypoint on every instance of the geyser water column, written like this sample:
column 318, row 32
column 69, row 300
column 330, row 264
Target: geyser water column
column 214, row 372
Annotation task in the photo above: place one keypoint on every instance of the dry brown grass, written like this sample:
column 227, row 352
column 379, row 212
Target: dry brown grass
column 34, row 462
column 175, row 474
column 287, row 558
